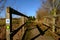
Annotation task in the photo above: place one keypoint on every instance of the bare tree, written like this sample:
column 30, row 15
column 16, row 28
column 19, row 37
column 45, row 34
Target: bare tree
column 51, row 4
column 53, row 7
column 2, row 5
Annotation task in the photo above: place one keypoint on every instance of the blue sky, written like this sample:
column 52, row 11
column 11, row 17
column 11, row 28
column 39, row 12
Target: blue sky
column 28, row 7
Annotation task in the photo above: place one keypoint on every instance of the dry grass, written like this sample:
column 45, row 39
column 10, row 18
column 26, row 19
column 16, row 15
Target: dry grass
column 16, row 23
column 2, row 29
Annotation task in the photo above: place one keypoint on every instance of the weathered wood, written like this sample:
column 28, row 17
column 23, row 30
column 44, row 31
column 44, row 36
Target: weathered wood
column 16, row 12
column 9, row 12
column 7, row 24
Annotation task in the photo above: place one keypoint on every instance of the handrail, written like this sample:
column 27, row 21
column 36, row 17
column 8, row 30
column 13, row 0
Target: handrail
column 16, row 30
column 13, row 11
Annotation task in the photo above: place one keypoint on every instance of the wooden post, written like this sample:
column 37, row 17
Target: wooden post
column 22, row 22
column 7, row 24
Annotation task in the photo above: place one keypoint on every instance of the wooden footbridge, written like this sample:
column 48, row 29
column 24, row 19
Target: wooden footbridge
column 10, row 33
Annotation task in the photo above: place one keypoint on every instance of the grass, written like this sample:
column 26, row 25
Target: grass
column 16, row 23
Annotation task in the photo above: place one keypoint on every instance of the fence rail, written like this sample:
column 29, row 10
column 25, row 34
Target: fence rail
column 10, row 33
column 9, row 13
